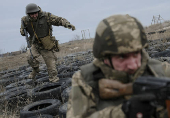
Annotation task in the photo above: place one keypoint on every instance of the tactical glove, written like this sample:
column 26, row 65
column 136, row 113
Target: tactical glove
column 139, row 106
column 70, row 26
column 112, row 88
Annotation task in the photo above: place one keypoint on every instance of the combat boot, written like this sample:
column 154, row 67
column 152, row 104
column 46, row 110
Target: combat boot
column 33, row 73
column 54, row 79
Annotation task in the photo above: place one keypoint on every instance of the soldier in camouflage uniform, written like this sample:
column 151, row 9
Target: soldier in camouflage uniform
column 120, row 58
column 39, row 26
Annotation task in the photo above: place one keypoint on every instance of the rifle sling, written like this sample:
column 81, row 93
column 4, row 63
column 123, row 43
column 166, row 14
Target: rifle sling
column 35, row 31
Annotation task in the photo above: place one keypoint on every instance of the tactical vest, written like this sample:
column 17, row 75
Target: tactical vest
column 42, row 29
column 87, row 71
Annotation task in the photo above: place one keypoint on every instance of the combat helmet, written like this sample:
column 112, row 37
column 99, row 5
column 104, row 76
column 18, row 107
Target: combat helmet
column 31, row 8
column 118, row 34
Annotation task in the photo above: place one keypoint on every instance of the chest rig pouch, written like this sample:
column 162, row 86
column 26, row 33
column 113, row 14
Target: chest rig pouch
column 41, row 28
column 50, row 43
column 43, row 33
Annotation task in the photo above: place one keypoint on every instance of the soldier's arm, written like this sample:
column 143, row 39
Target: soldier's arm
column 82, row 104
column 59, row 21
column 22, row 28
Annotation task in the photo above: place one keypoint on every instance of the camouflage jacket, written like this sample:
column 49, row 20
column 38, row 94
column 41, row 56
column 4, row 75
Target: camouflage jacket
column 50, row 20
column 84, row 102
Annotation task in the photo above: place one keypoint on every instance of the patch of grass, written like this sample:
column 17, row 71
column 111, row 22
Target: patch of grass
column 13, row 62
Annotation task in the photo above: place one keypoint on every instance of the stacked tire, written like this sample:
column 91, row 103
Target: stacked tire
column 50, row 98
column 39, row 97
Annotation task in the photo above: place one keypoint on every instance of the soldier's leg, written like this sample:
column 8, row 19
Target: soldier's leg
column 33, row 62
column 50, row 60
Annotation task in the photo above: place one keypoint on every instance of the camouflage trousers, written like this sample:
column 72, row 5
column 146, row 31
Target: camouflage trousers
column 48, row 56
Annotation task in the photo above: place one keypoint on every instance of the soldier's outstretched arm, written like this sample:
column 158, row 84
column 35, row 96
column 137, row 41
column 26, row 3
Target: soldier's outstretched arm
column 59, row 21
column 82, row 104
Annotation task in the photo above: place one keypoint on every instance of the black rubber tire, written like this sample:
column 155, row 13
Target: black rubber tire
column 65, row 94
column 65, row 79
column 5, row 82
column 24, row 75
column 12, row 98
column 48, row 91
column 42, row 80
column 65, row 75
column 67, row 82
column 63, row 110
column 9, row 71
column 42, row 116
column 14, row 89
column 22, row 68
column 2, row 73
column 48, row 106
column 67, row 69
column 19, row 83
column 40, row 75
column 165, row 53
column 12, row 74
column 61, row 69
column 163, row 59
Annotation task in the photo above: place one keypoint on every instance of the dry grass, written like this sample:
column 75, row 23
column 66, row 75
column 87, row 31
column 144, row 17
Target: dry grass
column 75, row 46
column 7, row 113
column 13, row 62
column 159, row 35
column 155, row 27
column 13, row 110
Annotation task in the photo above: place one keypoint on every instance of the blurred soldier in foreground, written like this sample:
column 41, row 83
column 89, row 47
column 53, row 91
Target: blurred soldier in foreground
column 99, row 88
column 39, row 26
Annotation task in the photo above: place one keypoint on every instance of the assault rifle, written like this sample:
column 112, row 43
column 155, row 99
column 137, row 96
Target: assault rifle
column 27, row 39
column 157, row 86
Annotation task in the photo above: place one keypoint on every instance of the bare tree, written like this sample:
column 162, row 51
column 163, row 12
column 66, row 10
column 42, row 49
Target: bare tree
column 76, row 37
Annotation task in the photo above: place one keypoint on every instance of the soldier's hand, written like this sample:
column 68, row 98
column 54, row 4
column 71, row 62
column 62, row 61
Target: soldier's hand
column 22, row 32
column 73, row 27
column 112, row 88
column 70, row 26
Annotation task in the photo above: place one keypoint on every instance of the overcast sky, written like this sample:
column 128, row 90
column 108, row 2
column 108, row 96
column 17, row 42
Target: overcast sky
column 84, row 14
